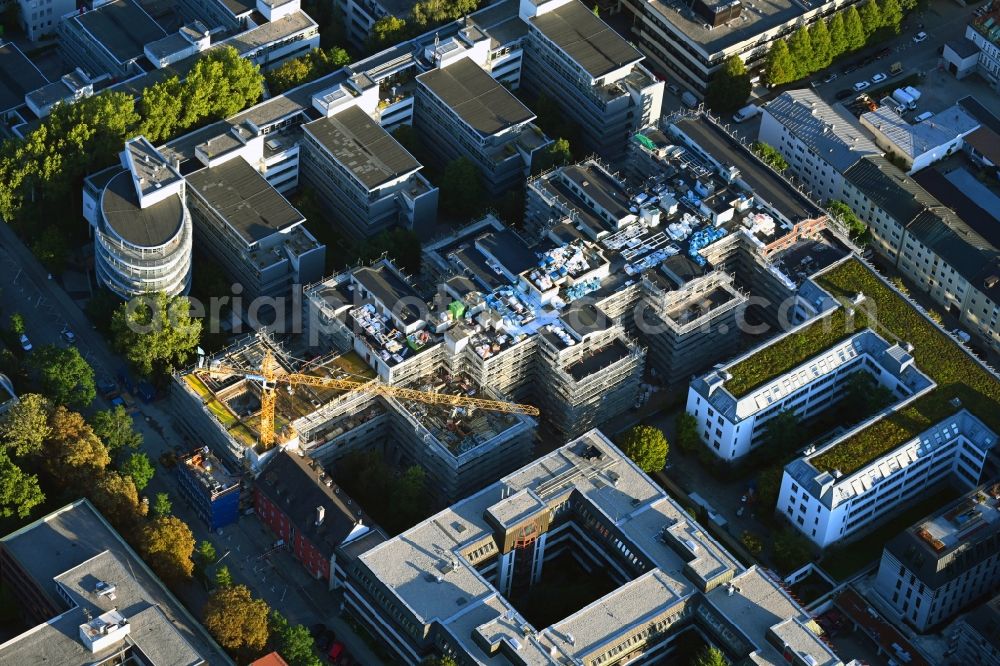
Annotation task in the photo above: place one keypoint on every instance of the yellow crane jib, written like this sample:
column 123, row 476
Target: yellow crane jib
column 268, row 379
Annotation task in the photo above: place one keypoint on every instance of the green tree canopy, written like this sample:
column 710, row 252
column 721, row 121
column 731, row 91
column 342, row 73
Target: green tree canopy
column 688, row 438
column 791, row 550
column 729, row 87
column 783, row 433
column 115, row 495
column 854, row 29
column 842, row 212
column 838, row 38
column 64, row 375
column 166, row 544
column 17, row 323
column 769, row 155
column 819, row 35
column 155, row 332
column 892, row 15
column 161, row 107
column 780, row 68
column 428, row 13
column 387, row 30
column 294, row 642
column 313, row 65
column 206, row 552
column 223, row 577
column 237, row 620
column 19, row 491
column 801, row 49
column 753, row 543
column 646, row 446
column 26, row 424
column 461, row 189
column 221, row 84
column 72, row 453
column 116, row 429
column 139, row 469
column 162, row 506
column 710, row 656
column 556, row 155
column 871, row 17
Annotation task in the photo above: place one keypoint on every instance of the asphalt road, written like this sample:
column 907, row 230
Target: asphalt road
column 245, row 547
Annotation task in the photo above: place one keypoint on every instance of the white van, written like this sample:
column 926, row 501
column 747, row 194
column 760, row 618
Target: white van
column 689, row 100
column 923, row 116
column 746, row 113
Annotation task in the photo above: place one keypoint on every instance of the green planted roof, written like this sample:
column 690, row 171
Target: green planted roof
column 956, row 374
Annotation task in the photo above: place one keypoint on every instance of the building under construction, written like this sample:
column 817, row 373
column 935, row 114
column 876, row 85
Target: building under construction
column 461, row 448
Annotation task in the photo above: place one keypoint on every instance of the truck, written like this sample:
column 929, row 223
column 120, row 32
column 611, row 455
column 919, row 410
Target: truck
column 914, row 93
column 903, row 98
column 689, row 99
column 746, row 113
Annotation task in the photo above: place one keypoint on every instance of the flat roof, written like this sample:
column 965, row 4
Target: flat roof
column 122, row 27
column 585, row 38
column 751, row 22
column 363, row 147
column 765, row 183
column 239, row 7
column 476, row 97
column 144, row 227
column 248, row 203
column 18, row 76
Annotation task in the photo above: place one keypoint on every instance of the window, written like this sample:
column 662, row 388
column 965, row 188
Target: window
column 800, row 521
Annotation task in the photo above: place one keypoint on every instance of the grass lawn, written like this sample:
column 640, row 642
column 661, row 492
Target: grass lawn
column 197, row 385
column 565, row 587
column 222, row 413
column 844, row 561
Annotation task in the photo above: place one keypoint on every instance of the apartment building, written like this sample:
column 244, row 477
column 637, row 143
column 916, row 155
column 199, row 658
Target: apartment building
column 819, row 142
column 40, row 18
column 982, row 32
column 950, row 257
column 461, row 111
column 734, row 423
column 89, row 598
column 296, row 500
column 108, row 37
column 975, row 636
column 690, row 41
column 141, row 224
column 934, row 569
column 920, row 144
column 667, row 574
column 361, row 171
column 598, row 81
column 210, row 488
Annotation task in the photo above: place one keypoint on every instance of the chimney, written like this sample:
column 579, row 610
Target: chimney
column 320, row 514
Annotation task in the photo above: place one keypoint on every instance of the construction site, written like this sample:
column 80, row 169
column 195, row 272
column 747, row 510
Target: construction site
column 459, row 445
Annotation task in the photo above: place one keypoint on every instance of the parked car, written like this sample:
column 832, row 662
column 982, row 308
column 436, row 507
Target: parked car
column 861, row 85
column 672, row 87
column 830, row 77
column 919, row 37
column 68, row 335
column 336, row 650
column 879, row 78
column 25, row 342
column 923, row 116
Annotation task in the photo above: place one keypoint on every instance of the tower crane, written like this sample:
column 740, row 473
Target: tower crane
column 269, row 378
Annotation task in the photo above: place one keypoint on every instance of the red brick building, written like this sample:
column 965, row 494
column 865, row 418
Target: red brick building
column 299, row 502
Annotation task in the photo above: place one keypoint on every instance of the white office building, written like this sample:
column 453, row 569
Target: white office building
column 732, row 425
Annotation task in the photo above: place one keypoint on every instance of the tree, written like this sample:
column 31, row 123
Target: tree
column 116, row 429
column 753, row 543
column 167, row 544
column 863, row 395
column 646, row 446
column 139, row 469
column 819, row 35
column 935, row 317
column 857, row 229
column 161, row 107
column 791, row 550
column 900, row 286
column 769, row 485
column 387, row 30
column 409, row 495
column 118, row 499
column 892, row 15
column 313, row 65
column 871, row 17
column 72, row 453
column 223, row 577
column 443, row 660
column 838, row 37
column 783, row 433
column 19, row 491
column 461, row 188
column 26, row 424
column 780, row 68
column 295, row 643
column 220, row 84
column 769, row 155
column 64, row 375
column 206, row 552
column 399, row 244
column 17, row 323
column 155, row 332
column 688, row 438
column 52, row 249
column 556, row 155
column 729, row 87
column 237, row 620
column 709, row 656
column 162, row 506
column 801, row 49
column 854, row 29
